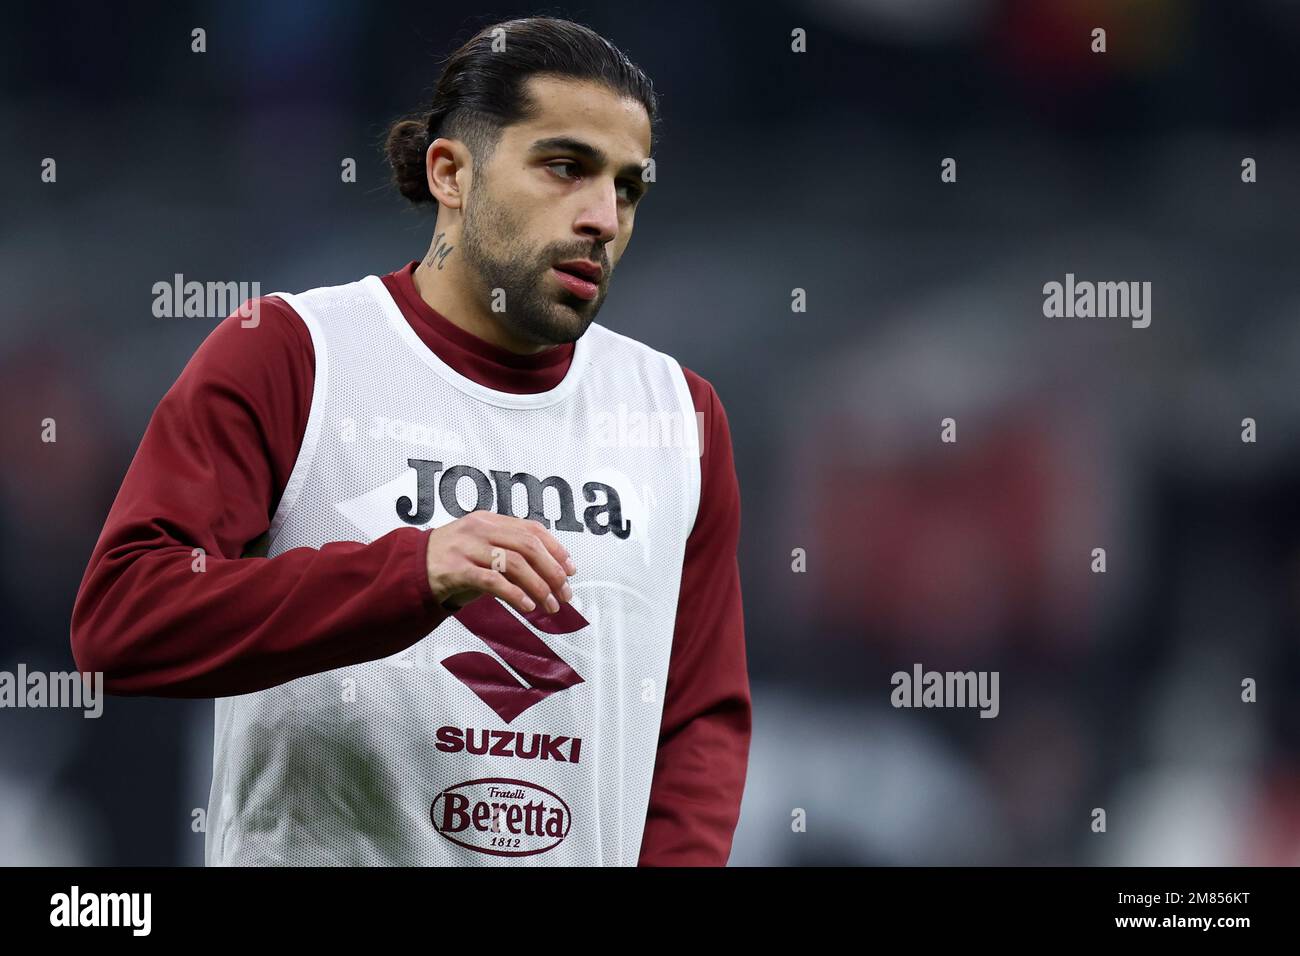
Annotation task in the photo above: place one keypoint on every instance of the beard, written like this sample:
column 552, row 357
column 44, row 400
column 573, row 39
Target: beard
column 535, row 309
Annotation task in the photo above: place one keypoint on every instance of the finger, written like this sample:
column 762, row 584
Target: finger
column 549, row 541
column 520, row 571
column 532, row 549
column 495, row 583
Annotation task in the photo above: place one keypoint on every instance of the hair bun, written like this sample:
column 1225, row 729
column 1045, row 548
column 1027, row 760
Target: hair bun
column 406, row 146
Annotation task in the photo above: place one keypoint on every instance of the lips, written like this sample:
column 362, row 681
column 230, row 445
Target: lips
column 582, row 269
column 579, row 276
column 575, row 284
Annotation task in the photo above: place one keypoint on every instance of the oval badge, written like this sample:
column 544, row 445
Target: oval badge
column 501, row 816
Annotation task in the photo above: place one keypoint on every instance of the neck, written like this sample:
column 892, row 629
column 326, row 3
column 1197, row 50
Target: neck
column 443, row 283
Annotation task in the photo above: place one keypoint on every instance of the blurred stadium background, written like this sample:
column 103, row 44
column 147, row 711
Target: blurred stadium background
column 776, row 171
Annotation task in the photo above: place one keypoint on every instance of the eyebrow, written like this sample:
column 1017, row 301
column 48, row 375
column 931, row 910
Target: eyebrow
column 594, row 155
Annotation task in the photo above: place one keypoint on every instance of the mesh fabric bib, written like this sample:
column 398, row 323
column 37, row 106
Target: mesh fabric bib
column 497, row 739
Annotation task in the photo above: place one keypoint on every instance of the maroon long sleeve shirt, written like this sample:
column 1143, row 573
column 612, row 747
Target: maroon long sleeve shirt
column 208, row 475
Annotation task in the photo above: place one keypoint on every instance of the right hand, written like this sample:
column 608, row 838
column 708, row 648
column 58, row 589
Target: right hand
column 515, row 559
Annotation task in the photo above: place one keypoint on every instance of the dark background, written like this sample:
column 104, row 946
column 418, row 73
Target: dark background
column 776, row 170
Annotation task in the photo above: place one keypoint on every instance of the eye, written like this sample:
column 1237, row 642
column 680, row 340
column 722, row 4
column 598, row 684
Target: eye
column 563, row 162
column 633, row 192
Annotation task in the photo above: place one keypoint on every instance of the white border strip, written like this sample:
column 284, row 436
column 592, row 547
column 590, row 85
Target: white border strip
column 311, row 434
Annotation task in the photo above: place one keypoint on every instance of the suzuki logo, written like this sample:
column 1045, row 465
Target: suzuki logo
column 530, row 656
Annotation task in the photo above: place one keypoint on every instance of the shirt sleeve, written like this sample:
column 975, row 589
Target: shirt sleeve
column 704, row 736
column 170, row 606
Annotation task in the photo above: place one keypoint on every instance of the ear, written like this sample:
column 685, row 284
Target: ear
column 444, row 162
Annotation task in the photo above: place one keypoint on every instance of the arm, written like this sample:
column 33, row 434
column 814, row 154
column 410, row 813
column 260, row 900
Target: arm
column 208, row 474
column 704, row 735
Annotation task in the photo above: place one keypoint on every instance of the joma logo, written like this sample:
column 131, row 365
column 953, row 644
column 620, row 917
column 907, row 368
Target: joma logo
column 498, row 494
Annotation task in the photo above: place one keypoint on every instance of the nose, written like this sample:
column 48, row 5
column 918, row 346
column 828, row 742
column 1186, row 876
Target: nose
column 599, row 218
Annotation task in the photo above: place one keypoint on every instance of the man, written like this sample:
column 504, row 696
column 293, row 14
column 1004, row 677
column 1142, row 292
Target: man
column 461, row 598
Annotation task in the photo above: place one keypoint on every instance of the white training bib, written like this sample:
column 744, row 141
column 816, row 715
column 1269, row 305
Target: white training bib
column 496, row 739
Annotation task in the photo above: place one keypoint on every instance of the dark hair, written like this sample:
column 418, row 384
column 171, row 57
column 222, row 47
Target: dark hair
column 481, row 91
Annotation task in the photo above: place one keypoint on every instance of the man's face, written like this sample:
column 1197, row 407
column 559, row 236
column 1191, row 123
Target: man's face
column 560, row 188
